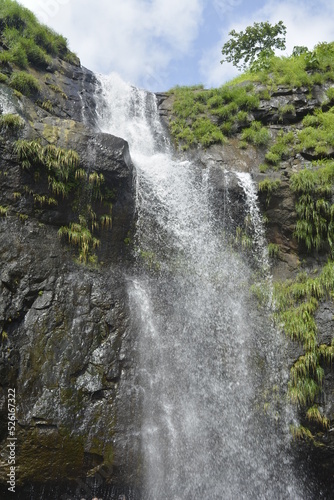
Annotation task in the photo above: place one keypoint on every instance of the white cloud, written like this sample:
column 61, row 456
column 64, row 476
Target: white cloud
column 307, row 22
column 225, row 7
column 146, row 40
column 137, row 38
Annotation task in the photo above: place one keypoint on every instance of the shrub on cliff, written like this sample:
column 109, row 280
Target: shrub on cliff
column 208, row 116
column 315, row 209
column 25, row 40
column 24, row 83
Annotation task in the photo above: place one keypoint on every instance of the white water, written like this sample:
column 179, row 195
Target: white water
column 259, row 241
column 209, row 418
column 6, row 99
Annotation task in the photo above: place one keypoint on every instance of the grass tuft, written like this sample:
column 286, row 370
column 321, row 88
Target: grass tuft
column 26, row 41
column 24, row 83
column 296, row 303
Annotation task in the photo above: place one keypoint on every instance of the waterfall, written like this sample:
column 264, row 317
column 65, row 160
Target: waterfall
column 248, row 186
column 206, row 402
column 6, row 104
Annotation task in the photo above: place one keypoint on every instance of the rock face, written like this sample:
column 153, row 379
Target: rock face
column 62, row 322
column 280, row 214
column 64, row 325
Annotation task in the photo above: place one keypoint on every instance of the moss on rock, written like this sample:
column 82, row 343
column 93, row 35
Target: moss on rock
column 49, row 454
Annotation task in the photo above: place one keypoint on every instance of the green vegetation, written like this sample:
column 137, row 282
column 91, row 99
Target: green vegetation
column 60, row 165
column 79, row 235
column 317, row 133
column 255, row 43
column 299, row 69
column 283, row 111
column 24, row 83
column 25, row 41
column 204, row 117
column 3, row 211
column 273, row 250
column 243, row 145
column 330, row 95
column 106, row 221
column 208, row 116
column 61, row 169
column 313, row 414
column 58, row 90
column 11, row 122
column 44, row 200
column 301, row 432
column 47, row 105
column 3, row 78
column 95, row 182
column 242, row 239
column 269, row 186
column 263, row 167
column 315, row 139
column 296, row 303
column 17, row 94
column 22, row 217
column 314, row 206
column 281, row 149
column 256, row 134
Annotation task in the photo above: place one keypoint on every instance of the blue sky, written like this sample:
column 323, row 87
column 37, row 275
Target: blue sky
column 156, row 44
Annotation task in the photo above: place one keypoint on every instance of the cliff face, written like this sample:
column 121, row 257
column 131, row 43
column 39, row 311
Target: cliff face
column 279, row 207
column 62, row 321
column 63, row 306
column 291, row 260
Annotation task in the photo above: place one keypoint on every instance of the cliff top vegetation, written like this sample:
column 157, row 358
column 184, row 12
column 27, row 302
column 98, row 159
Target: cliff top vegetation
column 208, row 116
column 24, row 41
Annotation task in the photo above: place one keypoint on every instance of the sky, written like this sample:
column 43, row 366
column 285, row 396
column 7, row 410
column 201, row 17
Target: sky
column 157, row 44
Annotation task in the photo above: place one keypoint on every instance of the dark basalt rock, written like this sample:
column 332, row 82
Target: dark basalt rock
column 62, row 323
column 272, row 110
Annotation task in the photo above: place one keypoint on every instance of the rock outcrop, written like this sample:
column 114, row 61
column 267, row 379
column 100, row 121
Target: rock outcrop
column 62, row 322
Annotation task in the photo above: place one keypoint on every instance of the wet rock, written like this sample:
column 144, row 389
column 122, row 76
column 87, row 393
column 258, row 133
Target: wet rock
column 287, row 105
column 325, row 322
column 62, row 323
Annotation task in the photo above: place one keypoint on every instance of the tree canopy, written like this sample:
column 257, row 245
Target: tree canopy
column 244, row 48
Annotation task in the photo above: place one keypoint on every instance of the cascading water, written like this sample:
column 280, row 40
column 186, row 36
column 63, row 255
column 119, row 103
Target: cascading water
column 246, row 183
column 6, row 104
column 208, row 414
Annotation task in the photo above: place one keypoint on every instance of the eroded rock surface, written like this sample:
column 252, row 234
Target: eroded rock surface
column 63, row 323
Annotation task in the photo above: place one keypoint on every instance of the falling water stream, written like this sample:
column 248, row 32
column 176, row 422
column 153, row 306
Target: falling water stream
column 207, row 392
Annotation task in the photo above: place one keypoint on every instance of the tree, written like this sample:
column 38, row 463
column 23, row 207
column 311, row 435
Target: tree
column 298, row 50
column 244, row 48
